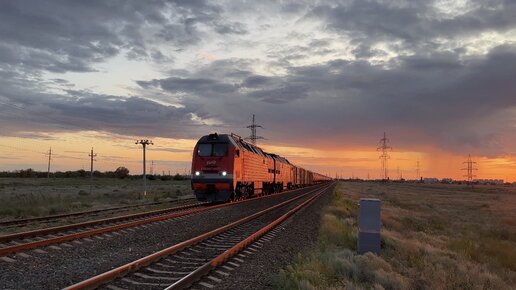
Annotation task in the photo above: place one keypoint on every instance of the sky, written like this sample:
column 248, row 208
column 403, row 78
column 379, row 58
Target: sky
column 325, row 79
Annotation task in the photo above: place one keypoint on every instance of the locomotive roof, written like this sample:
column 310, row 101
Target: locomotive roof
column 242, row 144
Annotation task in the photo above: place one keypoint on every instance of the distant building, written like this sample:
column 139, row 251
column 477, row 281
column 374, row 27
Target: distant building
column 430, row 180
column 489, row 181
column 447, row 180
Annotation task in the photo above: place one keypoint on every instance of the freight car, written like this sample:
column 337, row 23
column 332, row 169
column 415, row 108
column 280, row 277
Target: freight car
column 225, row 167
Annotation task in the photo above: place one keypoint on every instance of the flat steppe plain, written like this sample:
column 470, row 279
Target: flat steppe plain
column 33, row 197
column 434, row 236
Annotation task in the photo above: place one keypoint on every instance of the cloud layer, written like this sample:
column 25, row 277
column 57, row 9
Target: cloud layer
column 328, row 74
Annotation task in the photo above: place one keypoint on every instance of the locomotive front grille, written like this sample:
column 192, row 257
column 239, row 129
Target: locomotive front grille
column 210, row 188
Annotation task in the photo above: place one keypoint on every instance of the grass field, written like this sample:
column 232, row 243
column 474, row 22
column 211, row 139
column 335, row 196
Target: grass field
column 30, row 197
column 433, row 237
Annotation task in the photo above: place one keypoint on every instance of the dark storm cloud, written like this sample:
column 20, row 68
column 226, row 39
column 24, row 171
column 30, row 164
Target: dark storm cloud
column 416, row 23
column 23, row 108
column 312, row 87
column 60, row 36
column 193, row 85
column 442, row 99
column 233, row 81
column 460, row 104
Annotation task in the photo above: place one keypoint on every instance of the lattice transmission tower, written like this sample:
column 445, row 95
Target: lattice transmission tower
column 470, row 167
column 253, row 137
column 384, row 157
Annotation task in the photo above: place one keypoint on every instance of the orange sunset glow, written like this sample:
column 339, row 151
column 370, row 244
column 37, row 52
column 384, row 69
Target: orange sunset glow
column 174, row 156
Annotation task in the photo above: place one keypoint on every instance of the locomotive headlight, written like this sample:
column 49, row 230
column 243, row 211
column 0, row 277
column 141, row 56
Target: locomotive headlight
column 224, row 173
column 197, row 173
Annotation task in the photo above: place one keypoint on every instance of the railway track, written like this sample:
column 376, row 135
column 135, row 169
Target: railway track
column 52, row 218
column 19, row 242
column 206, row 259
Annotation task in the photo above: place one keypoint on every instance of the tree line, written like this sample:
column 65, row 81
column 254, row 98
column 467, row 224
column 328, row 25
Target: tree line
column 120, row 172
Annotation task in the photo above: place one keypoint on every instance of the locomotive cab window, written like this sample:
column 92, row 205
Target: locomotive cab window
column 204, row 150
column 217, row 149
column 220, row 150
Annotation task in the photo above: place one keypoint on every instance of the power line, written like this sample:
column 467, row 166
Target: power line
column 23, row 149
column 384, row 148
column 253, row 136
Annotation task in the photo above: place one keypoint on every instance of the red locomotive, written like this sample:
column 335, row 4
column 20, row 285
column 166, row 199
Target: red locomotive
column 225, row 167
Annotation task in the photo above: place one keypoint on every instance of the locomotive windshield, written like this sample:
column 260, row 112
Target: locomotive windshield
column 204, row 150
column 220, row 150
column 217, row 149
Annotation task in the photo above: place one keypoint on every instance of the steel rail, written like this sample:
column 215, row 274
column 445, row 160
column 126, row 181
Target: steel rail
column 84, row 234
column 51, row 230
column 87, row 212
column 197, row 274
column 108, row 276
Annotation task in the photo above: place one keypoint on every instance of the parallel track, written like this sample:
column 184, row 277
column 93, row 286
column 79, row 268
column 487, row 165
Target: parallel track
column 51, row 218
column 185, row 263
column 18, row 242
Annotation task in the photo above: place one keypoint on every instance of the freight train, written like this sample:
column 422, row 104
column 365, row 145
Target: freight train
column 225, row 168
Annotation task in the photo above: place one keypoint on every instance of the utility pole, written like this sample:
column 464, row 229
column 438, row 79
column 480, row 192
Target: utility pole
column 152, row 168
column 49, row 159
column 384, row 148
column 144, row 143
column 418, row 171
column 469, row 168
column 92, row 156
column 253, row 136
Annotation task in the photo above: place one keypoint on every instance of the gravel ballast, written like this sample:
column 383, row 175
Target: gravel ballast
column 300, row 233
column 74, row 262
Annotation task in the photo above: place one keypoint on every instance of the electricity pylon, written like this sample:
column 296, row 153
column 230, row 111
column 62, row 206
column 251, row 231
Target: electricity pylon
column 469, row 168
column 253, row 136
column 384, row 148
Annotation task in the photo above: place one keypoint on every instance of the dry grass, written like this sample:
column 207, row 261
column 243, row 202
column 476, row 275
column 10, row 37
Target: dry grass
column 30, row 197
column 433, row 237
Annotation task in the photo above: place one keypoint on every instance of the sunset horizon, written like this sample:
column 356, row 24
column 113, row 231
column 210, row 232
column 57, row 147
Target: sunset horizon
column 174, row 156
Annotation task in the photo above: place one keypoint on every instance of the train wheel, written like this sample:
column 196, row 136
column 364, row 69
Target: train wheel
column 237, row 195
